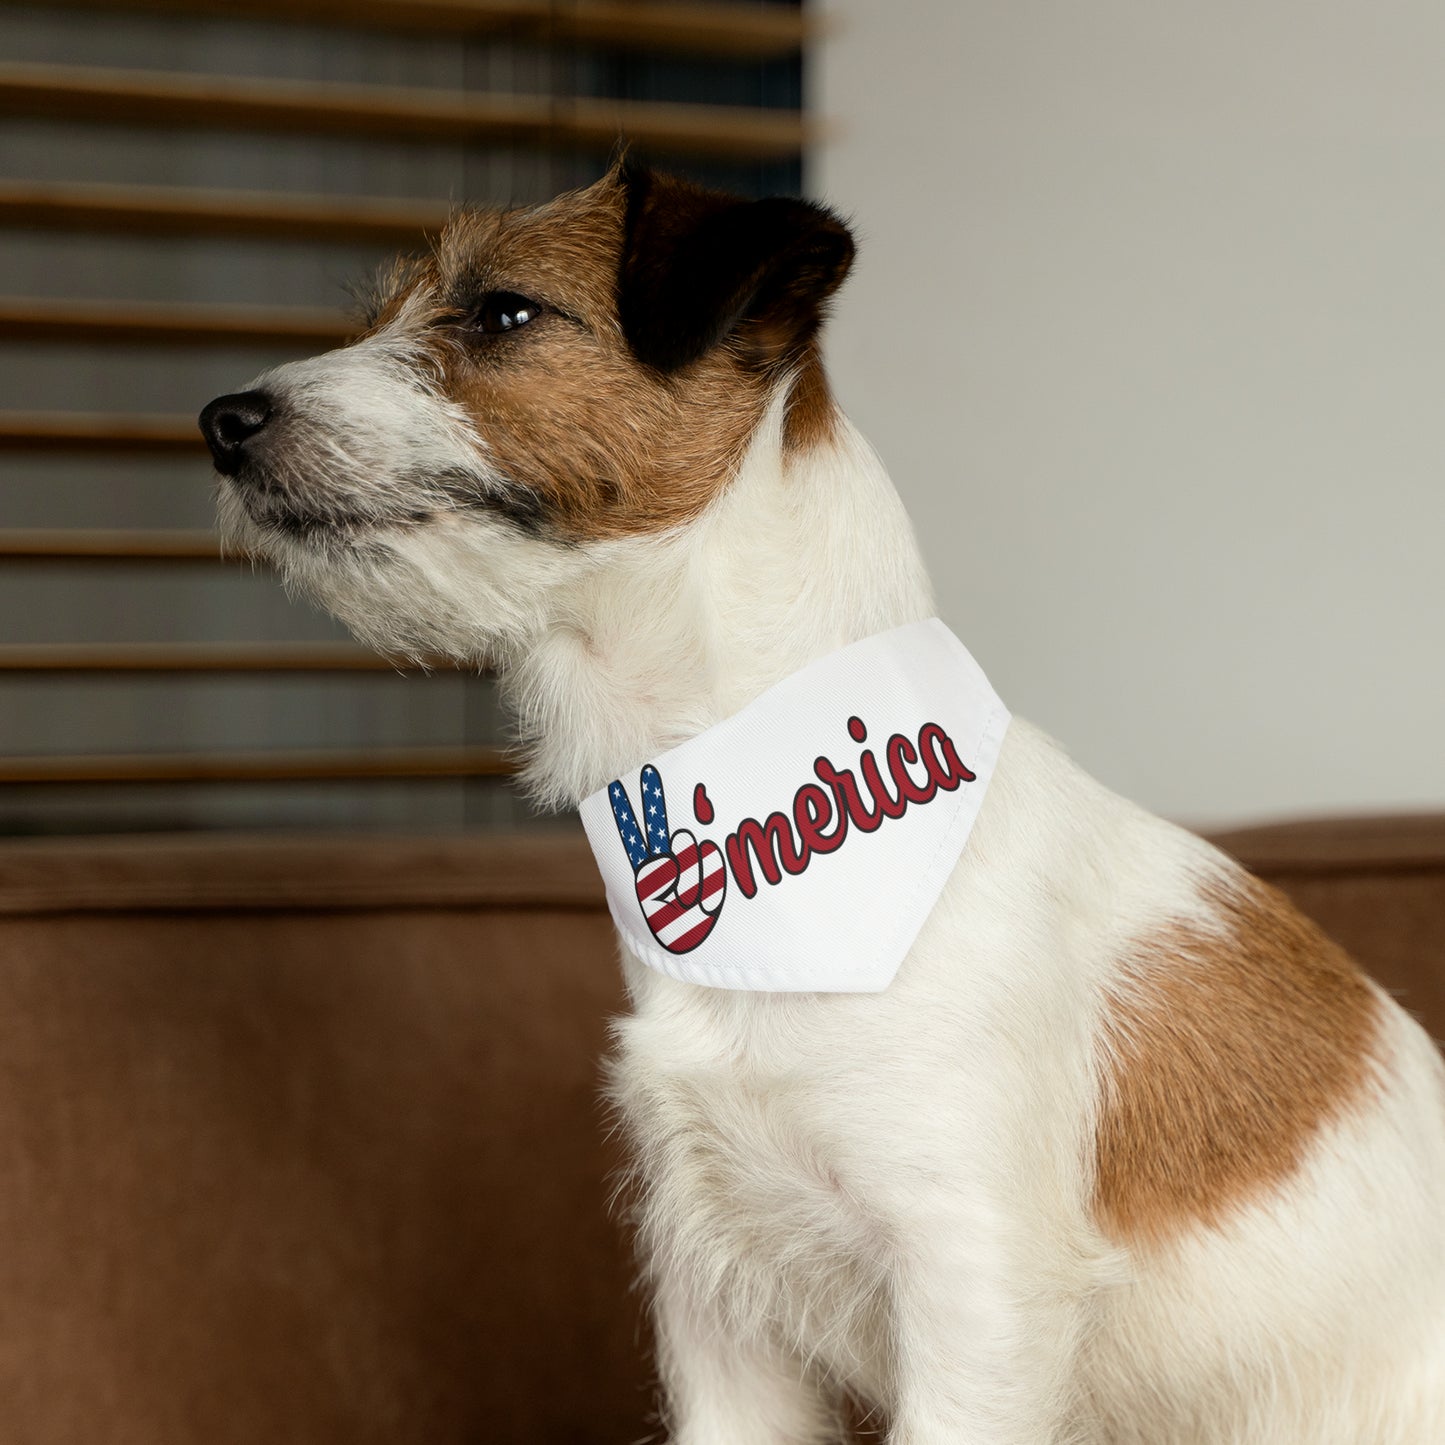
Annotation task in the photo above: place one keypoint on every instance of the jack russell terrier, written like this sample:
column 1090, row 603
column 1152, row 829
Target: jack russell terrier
column 957, row 1086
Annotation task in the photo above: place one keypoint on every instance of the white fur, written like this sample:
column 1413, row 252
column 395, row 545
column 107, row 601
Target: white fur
column 890, row 1194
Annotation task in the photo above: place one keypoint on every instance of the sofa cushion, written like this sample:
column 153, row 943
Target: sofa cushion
column 303, row 1138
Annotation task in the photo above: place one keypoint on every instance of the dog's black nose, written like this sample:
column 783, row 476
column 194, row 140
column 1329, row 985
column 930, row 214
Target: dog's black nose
column 229, row 422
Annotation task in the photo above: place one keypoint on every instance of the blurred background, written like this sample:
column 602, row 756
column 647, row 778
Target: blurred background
column 1149, row 324
column 187, row 191
column 301, row 1009
column 1146, row 323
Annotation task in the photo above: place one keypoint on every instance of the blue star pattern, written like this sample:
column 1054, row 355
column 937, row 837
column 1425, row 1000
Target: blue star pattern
column 627, row 828
column 653, row 836
column 659, row 837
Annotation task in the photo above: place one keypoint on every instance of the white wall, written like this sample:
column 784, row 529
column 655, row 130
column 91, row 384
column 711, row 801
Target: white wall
column 1149, row 324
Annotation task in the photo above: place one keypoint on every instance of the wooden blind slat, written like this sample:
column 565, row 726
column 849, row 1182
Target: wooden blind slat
column 216, row 102
column 175, row 210
column 171, row 323
column 133, row 657
column 755, row 32
column 258, row 767
column 113, row 97
column 708, row 29
column 79, row 431
column 77, row 544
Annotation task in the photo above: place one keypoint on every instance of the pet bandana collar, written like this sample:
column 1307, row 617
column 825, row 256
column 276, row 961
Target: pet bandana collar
column 800, row 845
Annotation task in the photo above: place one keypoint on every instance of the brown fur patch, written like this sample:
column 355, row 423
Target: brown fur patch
column 381, row 301
column 607, row 446
column 812, row 413
column 1226, row 1052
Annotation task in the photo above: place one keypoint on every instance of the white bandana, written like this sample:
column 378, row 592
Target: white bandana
column 828, row 815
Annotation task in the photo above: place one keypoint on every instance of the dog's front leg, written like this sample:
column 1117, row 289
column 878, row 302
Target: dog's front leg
column 984, row 1346
column 721, row 1387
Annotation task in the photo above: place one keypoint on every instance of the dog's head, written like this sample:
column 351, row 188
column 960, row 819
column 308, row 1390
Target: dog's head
column 547, row 383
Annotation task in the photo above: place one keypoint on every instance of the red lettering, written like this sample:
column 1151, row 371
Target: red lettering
column 812, row 812
column 901, row 752
column 941, row 758
column 845, row 786
column 702, row 805
column 773, row 847
column 889, row 807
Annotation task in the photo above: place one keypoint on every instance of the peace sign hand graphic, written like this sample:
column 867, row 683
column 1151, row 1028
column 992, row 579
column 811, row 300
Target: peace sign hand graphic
column 680, row 882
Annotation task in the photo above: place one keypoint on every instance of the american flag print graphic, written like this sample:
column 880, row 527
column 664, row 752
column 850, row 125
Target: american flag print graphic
column 680, row 882
column 828, row 814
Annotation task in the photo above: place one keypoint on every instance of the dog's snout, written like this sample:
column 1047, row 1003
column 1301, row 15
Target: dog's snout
column 229, row 422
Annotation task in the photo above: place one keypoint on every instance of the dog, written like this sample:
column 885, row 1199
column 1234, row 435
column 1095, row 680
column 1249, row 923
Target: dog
column 1127, row 1153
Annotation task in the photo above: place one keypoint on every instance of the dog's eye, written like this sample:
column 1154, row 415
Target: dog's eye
column 504, row 311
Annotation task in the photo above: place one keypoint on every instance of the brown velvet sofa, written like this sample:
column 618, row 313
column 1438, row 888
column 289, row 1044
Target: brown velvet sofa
column 300, row 1139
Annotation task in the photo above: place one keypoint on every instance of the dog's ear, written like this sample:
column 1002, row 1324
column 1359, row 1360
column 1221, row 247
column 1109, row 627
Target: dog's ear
column 699, row 266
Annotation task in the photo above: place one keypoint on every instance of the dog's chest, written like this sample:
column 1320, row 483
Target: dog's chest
column 746, row 1183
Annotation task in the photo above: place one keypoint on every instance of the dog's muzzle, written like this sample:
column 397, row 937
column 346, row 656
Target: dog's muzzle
column 230, row 422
